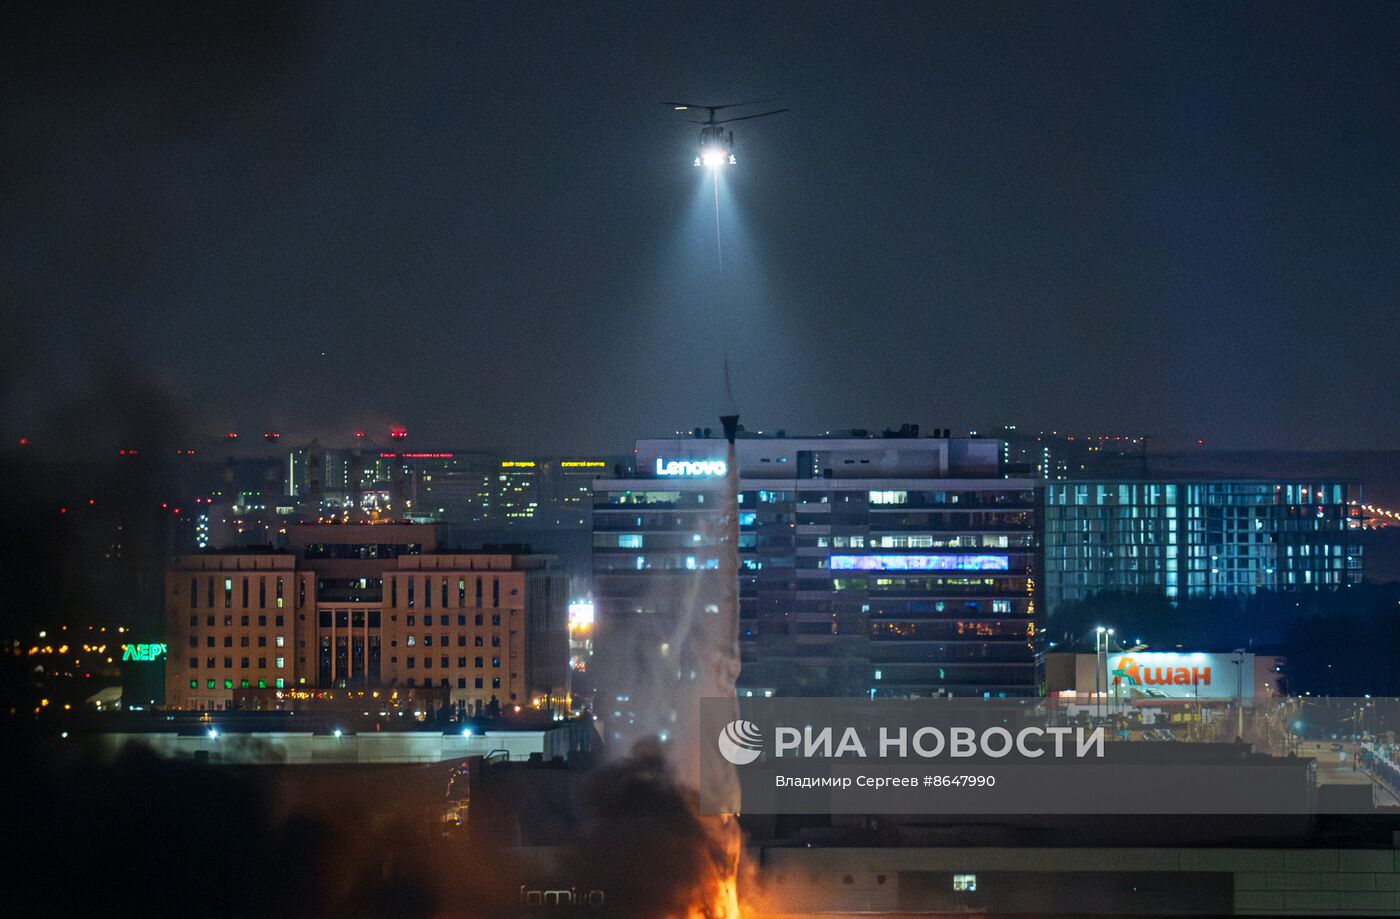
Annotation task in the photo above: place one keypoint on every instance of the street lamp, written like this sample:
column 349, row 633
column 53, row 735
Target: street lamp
column 1237, row 657
column 1101, row 638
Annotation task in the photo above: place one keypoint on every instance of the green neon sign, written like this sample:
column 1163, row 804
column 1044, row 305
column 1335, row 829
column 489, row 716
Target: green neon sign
column 143, row 652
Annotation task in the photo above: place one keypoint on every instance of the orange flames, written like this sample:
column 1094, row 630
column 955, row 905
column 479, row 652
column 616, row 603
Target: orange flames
column 719, row 891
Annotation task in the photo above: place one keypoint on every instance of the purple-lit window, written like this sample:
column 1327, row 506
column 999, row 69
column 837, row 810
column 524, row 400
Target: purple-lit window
column 920, row 563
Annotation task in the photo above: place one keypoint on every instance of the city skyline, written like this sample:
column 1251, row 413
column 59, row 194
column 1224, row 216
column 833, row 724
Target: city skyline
column 672, row 462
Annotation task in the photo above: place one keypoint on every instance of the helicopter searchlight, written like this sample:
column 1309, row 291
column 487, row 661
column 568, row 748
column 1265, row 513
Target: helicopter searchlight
column 717, row 141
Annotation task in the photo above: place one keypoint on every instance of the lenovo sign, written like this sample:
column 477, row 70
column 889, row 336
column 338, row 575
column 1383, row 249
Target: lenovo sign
column 691, row 467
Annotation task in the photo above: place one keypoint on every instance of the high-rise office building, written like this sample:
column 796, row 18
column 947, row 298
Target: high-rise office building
column 1199, row 539
column 892, row 565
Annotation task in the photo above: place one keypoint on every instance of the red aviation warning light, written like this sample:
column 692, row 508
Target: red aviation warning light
column 272, row 437
column 231, row 435
column 398, row 434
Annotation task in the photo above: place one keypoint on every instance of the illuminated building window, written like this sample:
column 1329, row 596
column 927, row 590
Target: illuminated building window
column 965, row 882
column 280, row 662
column 194, row 684
column 209, row 684
column 228, row 593
column 281, row 684
column 228, row 684
column 495, row 682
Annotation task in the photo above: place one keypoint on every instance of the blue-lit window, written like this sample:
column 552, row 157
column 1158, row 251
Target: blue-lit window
column 629, row 540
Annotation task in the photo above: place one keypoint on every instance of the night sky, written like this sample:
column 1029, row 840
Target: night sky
column 478, row 221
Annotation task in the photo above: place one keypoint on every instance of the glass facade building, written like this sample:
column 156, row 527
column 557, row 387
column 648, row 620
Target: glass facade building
column 1199, row 539
column 881, row 566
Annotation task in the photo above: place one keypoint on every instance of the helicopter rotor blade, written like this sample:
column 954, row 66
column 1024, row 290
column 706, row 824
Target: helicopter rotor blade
column 747, row 117
column 715, row 108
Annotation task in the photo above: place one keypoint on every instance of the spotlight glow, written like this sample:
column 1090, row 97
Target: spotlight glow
column 713, row 157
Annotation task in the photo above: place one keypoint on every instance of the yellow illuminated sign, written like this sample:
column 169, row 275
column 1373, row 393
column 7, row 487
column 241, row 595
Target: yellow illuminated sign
column 517, row 464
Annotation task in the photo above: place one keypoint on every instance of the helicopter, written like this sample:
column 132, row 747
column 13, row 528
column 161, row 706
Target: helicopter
column 716, row 141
